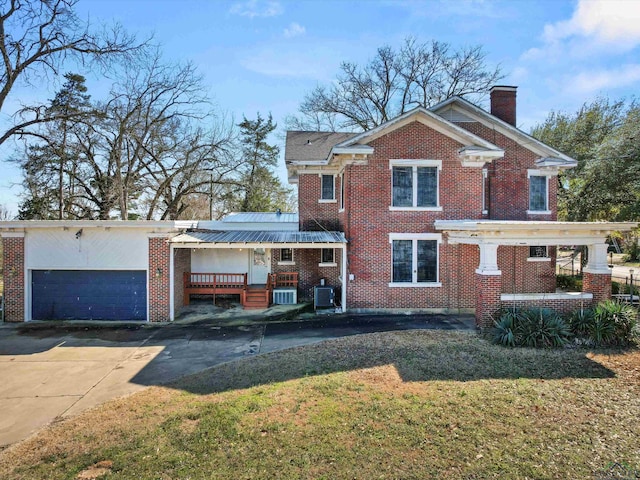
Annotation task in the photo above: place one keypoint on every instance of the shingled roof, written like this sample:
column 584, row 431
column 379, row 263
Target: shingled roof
column 310, row 146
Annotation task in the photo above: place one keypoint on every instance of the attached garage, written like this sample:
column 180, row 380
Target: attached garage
column 89, row 294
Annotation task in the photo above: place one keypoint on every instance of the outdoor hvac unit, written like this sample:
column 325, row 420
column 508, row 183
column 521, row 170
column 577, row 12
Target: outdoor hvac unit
column 323, row 297
column 285, row 296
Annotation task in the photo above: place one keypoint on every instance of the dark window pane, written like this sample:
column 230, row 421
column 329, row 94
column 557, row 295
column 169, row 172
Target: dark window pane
column 327, row 255
column 538, row 251
column 286, row 255
column 427, row 260
column 427, row 187
column 402, row 186
column 537, row 193
column 327, row 187
column 402, row 260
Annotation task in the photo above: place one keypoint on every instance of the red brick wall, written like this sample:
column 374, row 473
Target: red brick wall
column 488, row 288
column 508, row 180
column 521, row 276
column 159, row 258
column 314, row 215
column 369, row 222
column 597, row 284
column 181, row 264
column 13, row 278
column 309, row 272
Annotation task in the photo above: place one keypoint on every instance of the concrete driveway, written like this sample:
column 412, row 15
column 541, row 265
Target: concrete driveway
column 48, row 373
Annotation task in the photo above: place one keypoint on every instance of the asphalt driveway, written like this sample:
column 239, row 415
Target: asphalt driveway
column 55, row 372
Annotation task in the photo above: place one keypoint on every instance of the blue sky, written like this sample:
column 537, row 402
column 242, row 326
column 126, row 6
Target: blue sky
column 263, row 55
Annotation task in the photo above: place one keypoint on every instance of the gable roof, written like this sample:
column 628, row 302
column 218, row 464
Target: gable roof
column 312, row 146
column 551, row 156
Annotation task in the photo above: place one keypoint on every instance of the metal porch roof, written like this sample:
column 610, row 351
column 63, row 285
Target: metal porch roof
column 259, row 237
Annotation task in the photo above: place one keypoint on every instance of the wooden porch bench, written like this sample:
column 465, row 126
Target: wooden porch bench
column 214, row 284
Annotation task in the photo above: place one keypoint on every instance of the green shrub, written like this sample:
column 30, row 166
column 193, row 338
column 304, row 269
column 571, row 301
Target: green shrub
column 532, row 328
column 614, row 323
column 580, row 321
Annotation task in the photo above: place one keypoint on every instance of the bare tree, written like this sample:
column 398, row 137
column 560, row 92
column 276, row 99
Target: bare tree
column 37, row 37
column 419, row 74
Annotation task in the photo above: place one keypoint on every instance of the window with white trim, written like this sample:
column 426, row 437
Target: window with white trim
column 485, row 190
column 328, row 188
column 414, row 261
column 286, row 256
column 415, row 184
column 538, row 251
column 327, row 257
column 538, row 192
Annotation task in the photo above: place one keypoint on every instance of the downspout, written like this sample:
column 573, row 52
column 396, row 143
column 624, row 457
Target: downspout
column 343, row 300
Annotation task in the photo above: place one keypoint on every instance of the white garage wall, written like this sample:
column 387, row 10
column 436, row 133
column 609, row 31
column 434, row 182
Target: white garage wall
column 220, row 260
column 96, row 248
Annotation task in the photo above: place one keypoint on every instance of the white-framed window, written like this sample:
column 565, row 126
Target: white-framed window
column 415, row 184
column 538, row 192
column 327, row 257
column 342, row 191
column 327, row 188
column 538, row 253
column 485, row 191
column 415, row 259
column 286, row 257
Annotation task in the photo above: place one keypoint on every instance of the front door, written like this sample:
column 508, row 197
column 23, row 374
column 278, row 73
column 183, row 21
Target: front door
column 260, row 266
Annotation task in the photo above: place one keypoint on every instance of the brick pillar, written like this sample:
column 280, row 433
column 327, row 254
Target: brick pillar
column 488, row 290
column 181, row 265
column 598, row 284
column 596, row 277
column 13, row 277
column 159, row 281
column 488, row 286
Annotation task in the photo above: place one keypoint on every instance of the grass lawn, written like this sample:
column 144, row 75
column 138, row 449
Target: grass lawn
column 406, row 405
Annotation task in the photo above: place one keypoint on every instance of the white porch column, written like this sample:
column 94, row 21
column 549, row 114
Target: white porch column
column 488, row 260
column 597, row 262
column 343, row 299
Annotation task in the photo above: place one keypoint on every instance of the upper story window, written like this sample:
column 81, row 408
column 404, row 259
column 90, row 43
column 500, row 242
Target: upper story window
column 415, row 184
column 485, row 191
column 414, row 259
column 342, row 191
column 538, row 192
column 328, row 192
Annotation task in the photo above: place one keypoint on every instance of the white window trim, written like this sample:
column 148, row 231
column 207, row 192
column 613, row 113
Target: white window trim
column 485, row 175
column 287, row 262
column 328, row 200
column 414, row 237
column 539, row 173
column 541, row 259
column 399, row 162
column 341, row 206
column 328, row 264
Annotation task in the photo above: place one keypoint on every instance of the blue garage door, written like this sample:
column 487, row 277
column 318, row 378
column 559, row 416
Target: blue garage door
column 88, row 295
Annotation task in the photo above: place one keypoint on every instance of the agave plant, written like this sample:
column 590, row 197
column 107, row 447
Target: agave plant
column 613, row 323
column 580, row 321
column 542, row 327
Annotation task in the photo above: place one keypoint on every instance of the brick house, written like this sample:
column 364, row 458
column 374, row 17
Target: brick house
column 447, row 209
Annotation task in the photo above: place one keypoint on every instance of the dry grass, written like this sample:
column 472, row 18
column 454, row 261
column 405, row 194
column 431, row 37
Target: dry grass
column 420, row 404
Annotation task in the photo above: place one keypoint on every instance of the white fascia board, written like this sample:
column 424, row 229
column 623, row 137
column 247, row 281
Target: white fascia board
column 167, row 225
column 206, row 245
column 354, row 150
column 502, row 127
column 428, row 118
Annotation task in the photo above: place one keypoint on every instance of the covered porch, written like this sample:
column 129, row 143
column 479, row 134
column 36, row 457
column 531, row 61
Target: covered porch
column 259, row 267
column 493, row 238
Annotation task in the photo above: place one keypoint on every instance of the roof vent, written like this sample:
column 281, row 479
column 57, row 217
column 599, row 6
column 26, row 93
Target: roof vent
column 309, row 142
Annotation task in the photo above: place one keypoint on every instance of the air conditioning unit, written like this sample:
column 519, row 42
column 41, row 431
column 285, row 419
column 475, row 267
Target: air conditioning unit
column 285, row 296
column 323, row 297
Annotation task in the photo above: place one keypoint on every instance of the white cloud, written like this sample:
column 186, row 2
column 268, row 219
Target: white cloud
column 594, row 81
column 614, row 23
column 294, row 30
column 257, row 8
